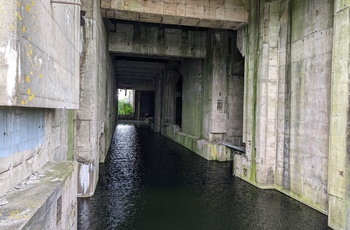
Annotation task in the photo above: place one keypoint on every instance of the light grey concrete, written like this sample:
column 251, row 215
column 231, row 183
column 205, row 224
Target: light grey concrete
column 95, row 119
column 211, row 14
column 338, row 158
column 32, row 74
column 288, row 51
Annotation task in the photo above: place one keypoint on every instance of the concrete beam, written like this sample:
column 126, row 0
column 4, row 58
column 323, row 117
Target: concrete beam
column 210, row 14
column 158, row 42
column 136, row 84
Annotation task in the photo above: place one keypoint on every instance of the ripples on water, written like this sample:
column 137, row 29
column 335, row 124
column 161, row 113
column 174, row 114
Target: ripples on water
column 150, row 182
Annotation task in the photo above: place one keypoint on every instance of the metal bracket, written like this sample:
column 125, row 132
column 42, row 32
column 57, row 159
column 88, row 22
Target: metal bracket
column 65, row 2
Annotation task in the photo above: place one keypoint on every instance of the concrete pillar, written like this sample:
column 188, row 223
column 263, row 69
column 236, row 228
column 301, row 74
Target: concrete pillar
column 158, row 103
column 169, row 97
column 137, row 104
column 339, row 157
column 93, row 121
column 258, row 42
column 266, row 97
column 218, row 48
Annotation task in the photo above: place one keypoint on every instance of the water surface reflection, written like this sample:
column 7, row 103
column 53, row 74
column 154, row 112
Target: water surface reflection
column 150, row 182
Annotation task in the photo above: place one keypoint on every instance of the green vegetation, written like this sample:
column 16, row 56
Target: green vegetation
column 125, row 108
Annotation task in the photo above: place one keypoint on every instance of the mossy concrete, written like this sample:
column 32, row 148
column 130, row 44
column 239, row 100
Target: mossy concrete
column 46, row 200
column 287, row 47
column 207, row 150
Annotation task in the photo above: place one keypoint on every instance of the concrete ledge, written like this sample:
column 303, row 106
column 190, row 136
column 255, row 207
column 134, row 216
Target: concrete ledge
column 46, row 200
column 205, row 149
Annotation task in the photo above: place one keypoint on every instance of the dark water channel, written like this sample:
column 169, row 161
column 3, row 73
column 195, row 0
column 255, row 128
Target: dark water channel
column 150, row 182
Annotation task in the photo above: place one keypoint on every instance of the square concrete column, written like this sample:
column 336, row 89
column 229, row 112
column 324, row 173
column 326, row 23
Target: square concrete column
column 158, row 98
column 169, row 97
column 218, row 49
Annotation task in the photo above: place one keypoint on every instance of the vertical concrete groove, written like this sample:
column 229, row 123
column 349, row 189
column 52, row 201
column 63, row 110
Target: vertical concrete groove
column 287, row 103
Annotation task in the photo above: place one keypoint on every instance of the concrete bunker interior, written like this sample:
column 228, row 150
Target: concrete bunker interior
column 270, row 74
column 183, row 72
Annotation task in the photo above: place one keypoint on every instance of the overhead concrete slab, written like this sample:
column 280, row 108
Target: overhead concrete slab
column 211, row 14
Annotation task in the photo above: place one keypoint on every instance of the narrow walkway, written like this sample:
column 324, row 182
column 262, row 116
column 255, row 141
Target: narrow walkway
column 150, row 182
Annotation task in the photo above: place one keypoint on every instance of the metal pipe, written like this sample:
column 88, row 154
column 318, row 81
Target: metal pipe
column 65, row 2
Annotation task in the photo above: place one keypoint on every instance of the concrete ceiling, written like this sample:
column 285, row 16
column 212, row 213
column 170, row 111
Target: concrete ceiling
column 222, row 14
column 137, row 74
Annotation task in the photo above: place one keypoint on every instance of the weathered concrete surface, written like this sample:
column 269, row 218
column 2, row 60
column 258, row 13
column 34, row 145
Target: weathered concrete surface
column 260, row 106
column 46, row 200
column 30, row 138
column 192, row 97
column 205, row 99
column 235, row 99
column 154, row 41
column 339, row 162
column 204, row 148
column 209, row 13
column 95, row 119
column 217, row 66
column 288, row 51
column 169, row 97
column 33, row 72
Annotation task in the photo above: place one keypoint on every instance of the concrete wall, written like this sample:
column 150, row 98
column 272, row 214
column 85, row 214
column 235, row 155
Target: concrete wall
column 338, row 162
column 46, row 200
column 95, row 119
column 288, row 54
column 304, row 102
column 154, row 41
column 30, row 138
column 32, row 72
column 39, row 81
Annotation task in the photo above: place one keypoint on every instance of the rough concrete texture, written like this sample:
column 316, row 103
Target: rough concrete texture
column 235, row 99
column 208, row 13
column 169, row 97
column 219, row 48
column 95, row 119
column 288, row 51
column 154, row 41
column 33, row 73
column 192, row 97
column 208, row 100
column 338, row 162
column 45, row 200
column 29, row 139
column 205, row 149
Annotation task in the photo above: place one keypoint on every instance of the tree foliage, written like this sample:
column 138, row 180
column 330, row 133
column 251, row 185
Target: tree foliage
column 125, row 108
